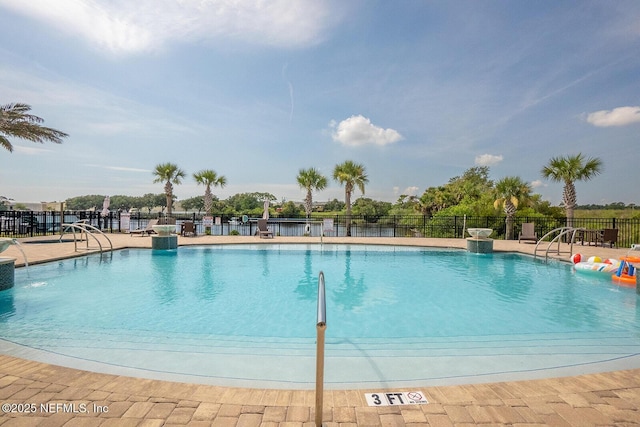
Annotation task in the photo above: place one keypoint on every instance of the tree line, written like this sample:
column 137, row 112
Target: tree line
column 608, row 206
column 473, row 193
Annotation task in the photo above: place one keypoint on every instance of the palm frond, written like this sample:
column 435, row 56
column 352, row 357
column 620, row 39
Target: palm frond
column 15, row 122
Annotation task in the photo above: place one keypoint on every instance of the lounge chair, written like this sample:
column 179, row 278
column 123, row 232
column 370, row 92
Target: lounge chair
column 609, row 235
column 147, row 230
column 188, row 229
column 263, row 231
column 528, row 232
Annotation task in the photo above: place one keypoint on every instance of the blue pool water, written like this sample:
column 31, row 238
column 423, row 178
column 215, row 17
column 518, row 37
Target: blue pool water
column 245, row 315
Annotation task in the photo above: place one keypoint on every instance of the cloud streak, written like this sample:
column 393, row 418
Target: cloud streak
column 290, row 85
column 123, row 26
column 118, row 168
column 30, row 151
column 95, row 112
column 358, row 131
column 620, row 116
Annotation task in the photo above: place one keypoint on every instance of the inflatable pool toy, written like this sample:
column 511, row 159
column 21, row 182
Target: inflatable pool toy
column 597, row 267
column 624, row 280
column 577, row 258
column 623, row 272
column 595, row 264
column 626, row 275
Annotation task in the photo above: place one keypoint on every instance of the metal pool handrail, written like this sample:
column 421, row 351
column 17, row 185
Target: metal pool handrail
column 91, row 228
column 85, row 228
column 322, row 305
column 561, row 231
column 321, row 325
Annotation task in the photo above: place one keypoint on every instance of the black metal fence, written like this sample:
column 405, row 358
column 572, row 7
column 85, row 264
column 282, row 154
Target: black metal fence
column 30, row 224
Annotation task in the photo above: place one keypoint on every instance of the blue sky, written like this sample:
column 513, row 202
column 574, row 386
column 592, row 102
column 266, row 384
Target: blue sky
column 416, row 91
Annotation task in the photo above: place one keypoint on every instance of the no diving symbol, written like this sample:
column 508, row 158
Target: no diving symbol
column 414, row 396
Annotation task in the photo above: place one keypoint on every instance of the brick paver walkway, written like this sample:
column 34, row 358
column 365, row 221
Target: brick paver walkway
column 36, row 394
column 41, row 394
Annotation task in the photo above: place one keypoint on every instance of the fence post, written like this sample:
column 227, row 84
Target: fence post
column 455, row 226
column 31, row 223
column 395, row 225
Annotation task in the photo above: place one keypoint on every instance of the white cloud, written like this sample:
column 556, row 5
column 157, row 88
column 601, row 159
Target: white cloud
column 358, row 130
column 132, row 26
column 537, row 183
column 411, row 191
column 620, row 116
column 488, row 160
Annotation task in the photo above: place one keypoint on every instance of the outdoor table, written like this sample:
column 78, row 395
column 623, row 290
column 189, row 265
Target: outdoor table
column 591, row 236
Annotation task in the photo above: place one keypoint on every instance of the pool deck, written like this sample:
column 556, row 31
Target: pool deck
column 68, row 397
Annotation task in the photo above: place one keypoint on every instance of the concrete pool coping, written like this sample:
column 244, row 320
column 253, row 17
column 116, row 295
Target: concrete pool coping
column 594, row 399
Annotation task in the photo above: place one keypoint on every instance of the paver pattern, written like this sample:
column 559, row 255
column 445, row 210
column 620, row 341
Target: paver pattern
column 39, row 394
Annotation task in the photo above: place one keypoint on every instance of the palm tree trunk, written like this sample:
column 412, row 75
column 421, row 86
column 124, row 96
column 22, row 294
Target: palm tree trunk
column 510, row 211
column 208, row 200
column 347, row 201
column 509, row 226
column 208, row 206
column 569, row 199
column 168, row 190
column 308, row 203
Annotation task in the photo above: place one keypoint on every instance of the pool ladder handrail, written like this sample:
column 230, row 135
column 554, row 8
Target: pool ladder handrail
column 87, row 229
column 561, row 231
column 322, row 304
column 321, row 326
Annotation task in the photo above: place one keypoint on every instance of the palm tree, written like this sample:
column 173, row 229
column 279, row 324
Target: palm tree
column 208, row 178
column 570, row 169
column 509, row 192
column 350, row 174
column 15, row 122
column 310, row 179
column 169, row 174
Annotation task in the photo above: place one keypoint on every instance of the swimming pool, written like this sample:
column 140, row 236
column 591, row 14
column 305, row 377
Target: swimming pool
column 244, row 315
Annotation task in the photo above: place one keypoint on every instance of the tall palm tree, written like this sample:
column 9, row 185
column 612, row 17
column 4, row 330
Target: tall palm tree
column 169, row 174
column 509, row 192
column 569, row 169
column 15, row 122
column 310, row 179
column 208, row 178
column 350, row 174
